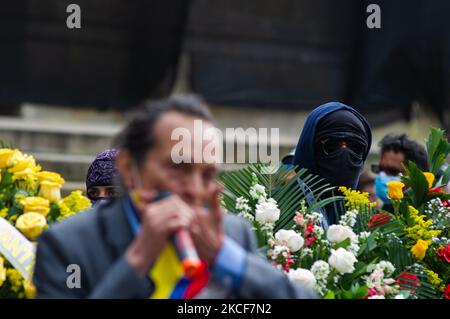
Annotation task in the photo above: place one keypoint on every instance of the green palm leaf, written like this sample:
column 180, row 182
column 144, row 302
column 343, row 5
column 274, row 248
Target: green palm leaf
column 419, row 287
column 287, row 193
column 398, row 255
column 438, row 148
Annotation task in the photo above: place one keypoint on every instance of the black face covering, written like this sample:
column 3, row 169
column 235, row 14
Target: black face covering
column 340, row 166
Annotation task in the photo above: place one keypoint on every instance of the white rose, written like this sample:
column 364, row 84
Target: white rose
column 303, row 277
column 389, row 281
column 387, row 290
column 295, row 243
column 290, row 238
column 377, row 297
column 267, row 212
column 339, row 233
column 399, row 296
column 342, row 260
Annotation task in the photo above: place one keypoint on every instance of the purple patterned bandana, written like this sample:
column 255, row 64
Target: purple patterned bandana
column 102, row 171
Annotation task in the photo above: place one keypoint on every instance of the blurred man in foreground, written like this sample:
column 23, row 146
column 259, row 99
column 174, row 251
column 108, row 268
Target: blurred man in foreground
column 121, row 247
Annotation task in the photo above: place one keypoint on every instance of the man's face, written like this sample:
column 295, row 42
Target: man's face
column 391, row 162
column 193, row 182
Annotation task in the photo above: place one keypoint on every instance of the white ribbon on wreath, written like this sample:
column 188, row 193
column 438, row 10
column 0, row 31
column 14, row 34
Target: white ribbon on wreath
column 17, row 249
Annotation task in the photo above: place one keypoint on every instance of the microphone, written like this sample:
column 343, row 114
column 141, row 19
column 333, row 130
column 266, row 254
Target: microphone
column 190, row 262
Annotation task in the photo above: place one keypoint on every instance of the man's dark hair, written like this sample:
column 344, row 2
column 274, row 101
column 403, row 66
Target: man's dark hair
column 412, row 150
column 137, row 137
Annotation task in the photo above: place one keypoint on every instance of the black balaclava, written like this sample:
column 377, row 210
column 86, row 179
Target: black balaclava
column 343, row 166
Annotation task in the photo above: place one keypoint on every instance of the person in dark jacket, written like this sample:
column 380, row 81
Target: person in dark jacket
column 334, row 143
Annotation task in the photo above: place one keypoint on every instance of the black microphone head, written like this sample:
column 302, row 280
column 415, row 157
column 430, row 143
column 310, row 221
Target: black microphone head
column 162, row 195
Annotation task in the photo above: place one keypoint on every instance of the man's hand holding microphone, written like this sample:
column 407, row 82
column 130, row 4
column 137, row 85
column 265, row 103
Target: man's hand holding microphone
column 172, row 220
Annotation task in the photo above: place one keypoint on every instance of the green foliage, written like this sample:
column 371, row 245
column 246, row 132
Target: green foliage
column 419, row 287
column 348, row 281
column 446, row 176
column 343, row 244
column 415, row 179
column 54, row 213
column 365, row 213
column 285, row 191
column 369, row 245
column 330, row 295
column 394, row 226
column 438, row 149
column 355, row 292
column 396, row 252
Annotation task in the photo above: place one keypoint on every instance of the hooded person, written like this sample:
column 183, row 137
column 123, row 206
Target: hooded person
column 334, row 144
column 101, row 176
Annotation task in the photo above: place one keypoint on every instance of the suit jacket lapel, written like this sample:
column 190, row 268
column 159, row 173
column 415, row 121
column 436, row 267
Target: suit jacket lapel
column 115, row 226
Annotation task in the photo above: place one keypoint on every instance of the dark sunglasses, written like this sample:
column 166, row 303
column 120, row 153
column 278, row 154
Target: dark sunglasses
column 388, row 170
column 287, row 160
column 334, row 144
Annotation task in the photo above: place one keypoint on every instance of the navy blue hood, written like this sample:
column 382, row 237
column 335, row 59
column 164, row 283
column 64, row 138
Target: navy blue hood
column 305, row 151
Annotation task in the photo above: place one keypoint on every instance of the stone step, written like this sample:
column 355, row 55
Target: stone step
column 71, row 167
column 72, row 186
column 69, row 147
column 56, row 138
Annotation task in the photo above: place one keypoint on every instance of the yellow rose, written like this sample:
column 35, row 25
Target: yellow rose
column 31, row 224
column 24, row 164
column 26, row 179
column 2, row 271
column 4, row 212
column 29, row 289
column 420, row 248
column 395, row 190
column 50, row 191
column 430, row 179
column 50, row 177
column 36, row 204
column 7, row 156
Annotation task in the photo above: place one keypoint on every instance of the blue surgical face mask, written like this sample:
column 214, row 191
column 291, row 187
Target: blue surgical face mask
column 100, row 201
column 381, row 188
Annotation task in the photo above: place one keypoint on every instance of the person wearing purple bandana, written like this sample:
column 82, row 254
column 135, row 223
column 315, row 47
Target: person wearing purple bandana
column 100, row 177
